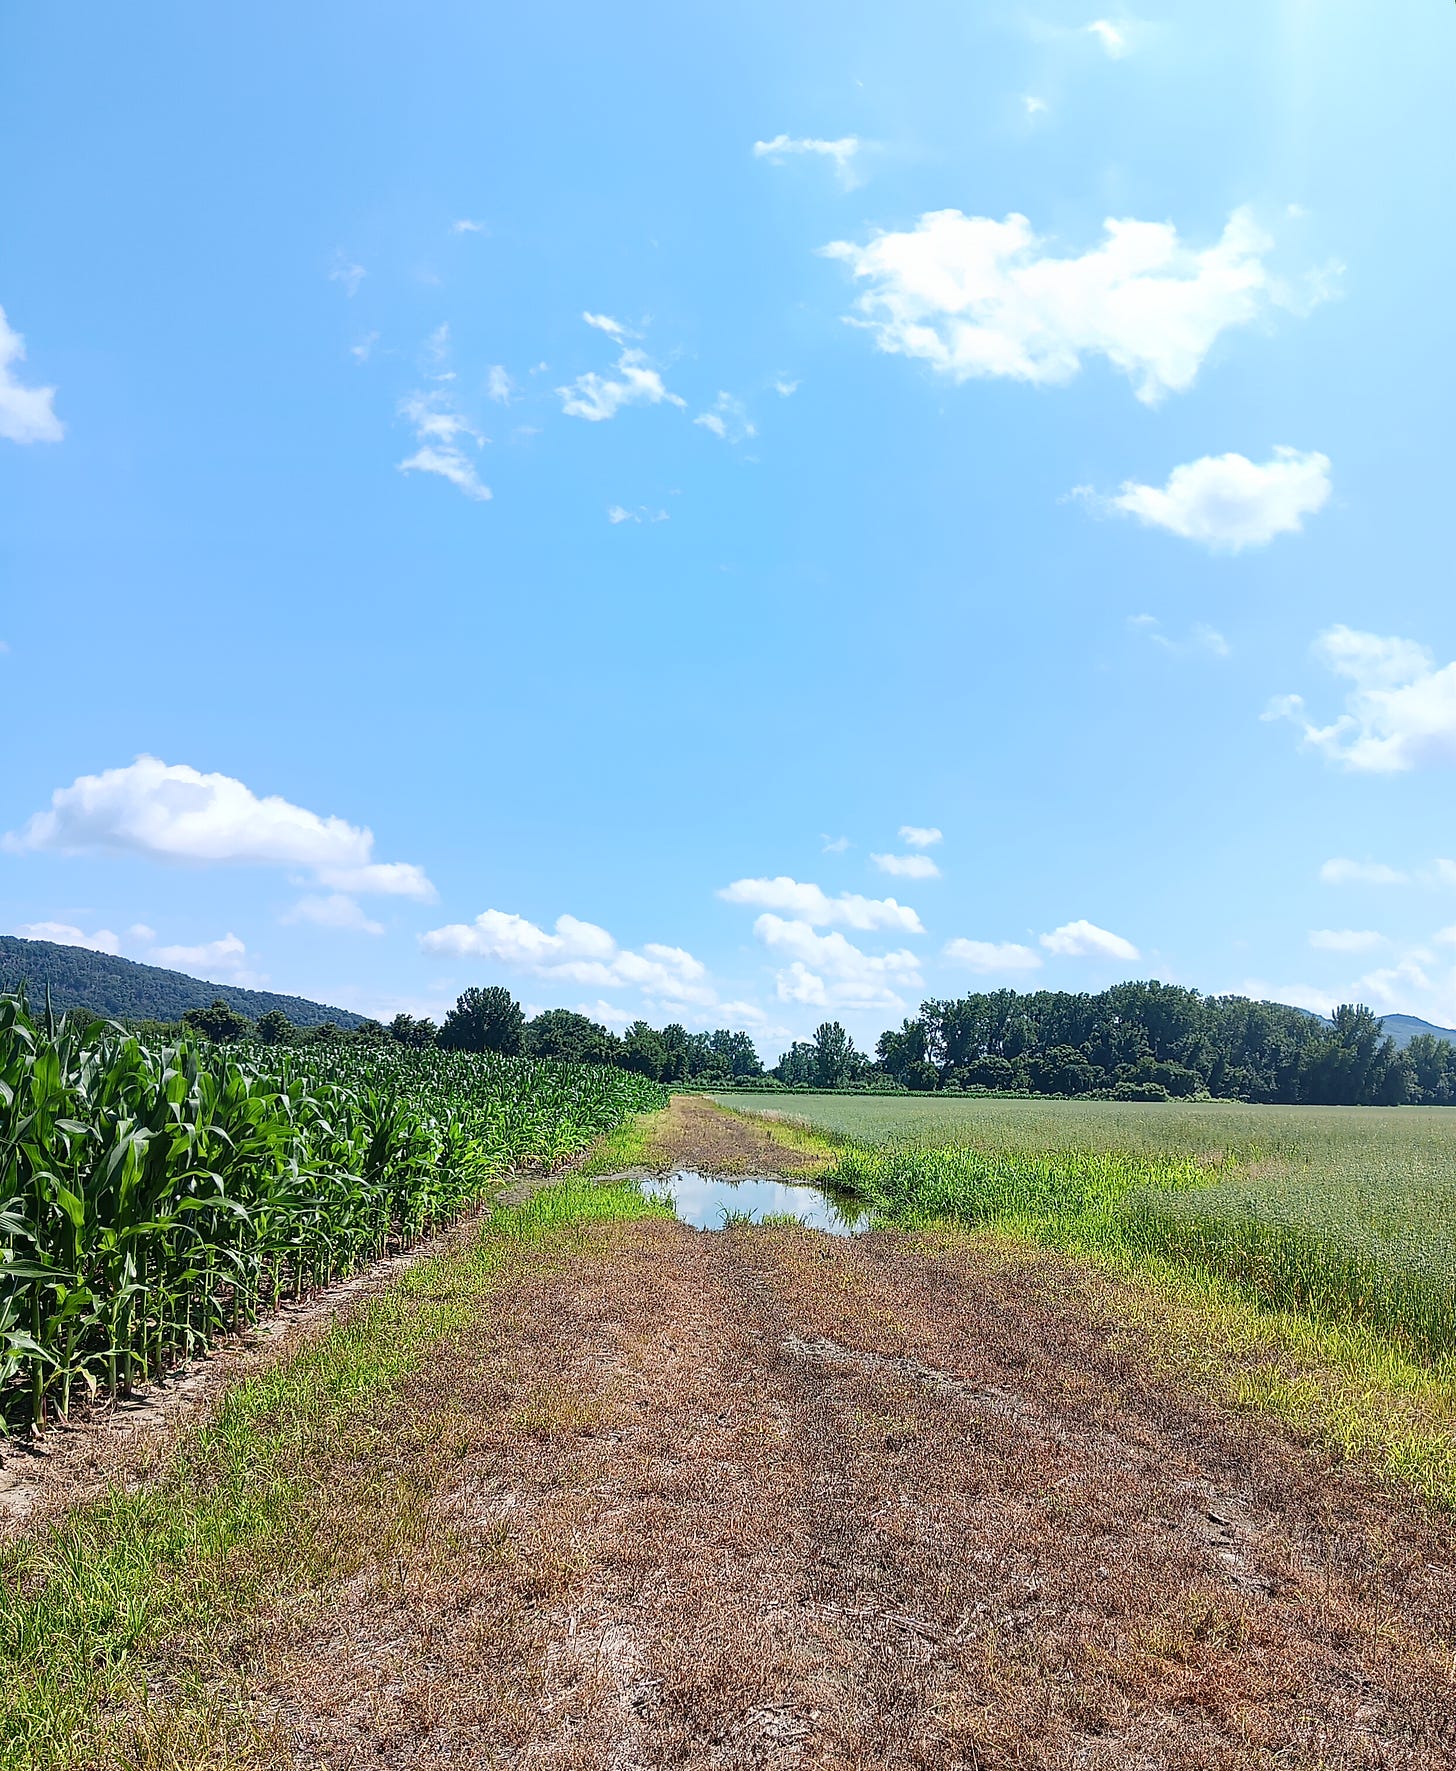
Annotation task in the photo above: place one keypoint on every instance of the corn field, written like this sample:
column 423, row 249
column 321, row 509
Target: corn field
column 157, row 1197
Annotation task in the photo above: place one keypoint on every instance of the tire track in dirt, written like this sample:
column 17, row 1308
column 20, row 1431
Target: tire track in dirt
column 764, row 1498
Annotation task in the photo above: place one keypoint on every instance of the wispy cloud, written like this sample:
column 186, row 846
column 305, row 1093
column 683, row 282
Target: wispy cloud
column 599, row 397
column 1201, row 637
column 466, row 226
column 344, row 271
column 498, row 385
column 843, row 152
column 1113, row 38
column 442, row 434
column 907, row 866
column 618, row 513
column 728, row 419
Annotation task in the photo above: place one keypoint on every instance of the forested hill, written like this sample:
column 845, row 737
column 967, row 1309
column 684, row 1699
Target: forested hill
column 120, row 988
column 1404, row 1028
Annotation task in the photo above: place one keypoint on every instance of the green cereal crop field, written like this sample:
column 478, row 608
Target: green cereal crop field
column 1343, row 1213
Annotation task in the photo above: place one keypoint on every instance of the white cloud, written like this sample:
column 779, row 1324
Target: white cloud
column 577, row 953
column 812, row 905
column 835, row 845
column 1112, row 39
column 1313, row 997
column 337, row 910
column 1201, row 637
column 920, row 836
column 364, row 349
column 728, row 419
column 976, row 297
column 1228, row 502
column 175, row 813
column 1083, row 939
column 27, row 414
column 1342, row 872
column 439, row 431
column 618, row 513
column 605, row 323
column 992, row 956
column 596, row 397
column 829, row 971
column 1400, row 714
column 1033, row 106
column 784, row 387
column 1345, row 940
column 907, row 866
column 842, row 152
column 65, row 934
column 228, row 958
column 350, row 275
column 498, row 385
column 466, row 226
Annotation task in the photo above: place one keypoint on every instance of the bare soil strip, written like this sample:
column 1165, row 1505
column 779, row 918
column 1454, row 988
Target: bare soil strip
column 763, row 1498
column 694, row 1133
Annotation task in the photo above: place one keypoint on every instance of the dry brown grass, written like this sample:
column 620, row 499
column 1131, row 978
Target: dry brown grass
column 762, row 1498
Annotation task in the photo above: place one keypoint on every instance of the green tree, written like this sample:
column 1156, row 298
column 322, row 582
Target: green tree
column 571, row 1038
column 220, row 1022
column 274, row 1028
column 836, row 1060
column 484, row 1020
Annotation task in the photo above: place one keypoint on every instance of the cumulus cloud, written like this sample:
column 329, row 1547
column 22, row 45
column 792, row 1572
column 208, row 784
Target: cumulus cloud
column 441, row 433
column 65, row 934
column 576, row 952
column 811, row 904
column 1083, row 939
column 170, row 812
column 920, row 836
column 976, row 297
column 1400, row 713
column 1345, row 940
column 842, row 152
column 1340, row 871
column 728, row 419
column 992, row 956
column 227, row 958
column 907, row 866
column 1228, row 502
column 598, row 397
column 829, row 971
column 27, row 414
column 333, row 910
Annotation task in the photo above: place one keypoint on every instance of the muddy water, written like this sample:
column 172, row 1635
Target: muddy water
column 707, row 1202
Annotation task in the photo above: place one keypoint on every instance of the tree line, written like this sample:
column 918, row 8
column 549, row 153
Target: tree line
column 1133, row 1042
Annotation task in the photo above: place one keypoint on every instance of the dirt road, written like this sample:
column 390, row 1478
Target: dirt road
column 766, row 1498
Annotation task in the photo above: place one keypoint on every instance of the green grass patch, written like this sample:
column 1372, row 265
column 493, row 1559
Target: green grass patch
column 239, row 1514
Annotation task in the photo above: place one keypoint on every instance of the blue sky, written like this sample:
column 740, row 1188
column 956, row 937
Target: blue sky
column 1024, row 424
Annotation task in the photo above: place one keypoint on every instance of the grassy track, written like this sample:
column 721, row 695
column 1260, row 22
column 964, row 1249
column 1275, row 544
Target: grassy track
column 276, row 1493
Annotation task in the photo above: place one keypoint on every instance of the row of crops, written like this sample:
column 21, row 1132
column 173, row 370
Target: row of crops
column 156, row 1197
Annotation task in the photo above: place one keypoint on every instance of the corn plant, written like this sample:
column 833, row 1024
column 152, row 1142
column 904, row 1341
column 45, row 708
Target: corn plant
column 156, row 1196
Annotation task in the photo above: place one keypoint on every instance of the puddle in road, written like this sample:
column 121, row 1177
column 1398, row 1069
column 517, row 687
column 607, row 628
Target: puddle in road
column 708, row 1202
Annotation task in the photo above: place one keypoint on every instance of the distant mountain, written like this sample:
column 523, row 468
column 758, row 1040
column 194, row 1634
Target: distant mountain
column 1403, row 1029
column 123, row 990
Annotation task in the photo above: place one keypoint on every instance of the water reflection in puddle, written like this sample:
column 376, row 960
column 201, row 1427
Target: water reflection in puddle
column 707, row 1202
